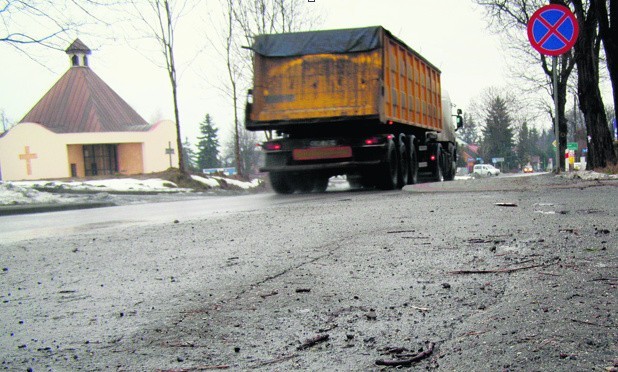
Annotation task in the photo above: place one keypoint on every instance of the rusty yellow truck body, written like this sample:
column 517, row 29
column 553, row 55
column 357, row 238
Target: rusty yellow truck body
column 329, row 93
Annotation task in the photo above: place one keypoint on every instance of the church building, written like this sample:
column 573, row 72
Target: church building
column 82, row 128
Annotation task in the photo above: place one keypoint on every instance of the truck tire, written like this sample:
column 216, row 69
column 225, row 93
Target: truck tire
column 304, row 182
column 281, row 183
column 320, row 184
column 309, row 182
column 361, row 181
column 413, row 166
column 404, row 163
column 438, row 171
column 451, row 164
column 388, row 174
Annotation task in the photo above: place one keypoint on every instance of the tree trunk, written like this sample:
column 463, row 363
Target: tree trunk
column 608, row 27
column 562, row 120
column 565, row 66
column 171, row 68
column 600, row 147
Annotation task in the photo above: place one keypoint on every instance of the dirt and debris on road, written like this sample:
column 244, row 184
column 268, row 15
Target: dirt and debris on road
column 340, row 281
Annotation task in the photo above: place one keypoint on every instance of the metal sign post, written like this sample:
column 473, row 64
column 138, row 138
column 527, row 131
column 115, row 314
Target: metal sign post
column 552, row 31
column 556, row 119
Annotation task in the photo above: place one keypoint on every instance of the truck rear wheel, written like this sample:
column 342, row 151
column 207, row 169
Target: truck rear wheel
column 320, row 184
column 388, row 174
column 404, row 164
column 309, row 182
column 281, row 183
column 438, row 171
column 413, row 176
column 451, row 164
column 304, row 183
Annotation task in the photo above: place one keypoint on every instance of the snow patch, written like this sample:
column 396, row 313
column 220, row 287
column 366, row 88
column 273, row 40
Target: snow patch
column 25, row 192
column 589, row 175
column 120, row 184
column 241, row 184
column 206, row 181
column 11, row 194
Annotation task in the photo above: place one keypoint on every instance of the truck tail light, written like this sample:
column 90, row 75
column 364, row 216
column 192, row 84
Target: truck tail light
column 432, row 158
column 372, row 141
column 272, row 146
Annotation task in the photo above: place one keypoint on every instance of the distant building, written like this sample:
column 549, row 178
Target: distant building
column 469, row 153
column 82, row 128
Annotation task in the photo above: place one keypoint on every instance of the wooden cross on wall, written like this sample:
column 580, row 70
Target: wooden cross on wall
column 28, row 157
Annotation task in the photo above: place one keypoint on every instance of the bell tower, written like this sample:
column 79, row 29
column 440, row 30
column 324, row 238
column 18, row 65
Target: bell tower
column 78, row 52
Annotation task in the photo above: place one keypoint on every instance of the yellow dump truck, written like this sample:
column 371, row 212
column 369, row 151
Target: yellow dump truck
column 358, row 102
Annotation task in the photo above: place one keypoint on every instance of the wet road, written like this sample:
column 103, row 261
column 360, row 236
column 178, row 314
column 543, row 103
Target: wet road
column 30, row 226
column 246, row 283
column 20, row 227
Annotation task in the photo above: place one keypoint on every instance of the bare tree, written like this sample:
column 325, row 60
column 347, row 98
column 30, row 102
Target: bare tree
column 510, row 19
column 234, row 75
column 17, row 34
column 244, row 20
column 600, row 147
column 249, row 151
column 29, row 24
column 608, row 29
column 5, row 121
column 160, row 19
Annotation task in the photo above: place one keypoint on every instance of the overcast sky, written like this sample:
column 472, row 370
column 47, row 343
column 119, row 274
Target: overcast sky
column 450, row 33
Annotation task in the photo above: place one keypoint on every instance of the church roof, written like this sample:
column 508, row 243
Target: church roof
column 82, row 102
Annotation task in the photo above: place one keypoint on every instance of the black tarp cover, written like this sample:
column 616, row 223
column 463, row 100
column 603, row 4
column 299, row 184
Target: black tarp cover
column 318, row 42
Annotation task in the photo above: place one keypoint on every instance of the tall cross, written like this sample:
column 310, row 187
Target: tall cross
column 169, row 151
column 28, row 157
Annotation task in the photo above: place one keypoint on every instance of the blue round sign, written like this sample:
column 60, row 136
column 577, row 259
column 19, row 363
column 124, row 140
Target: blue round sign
column 553, row 30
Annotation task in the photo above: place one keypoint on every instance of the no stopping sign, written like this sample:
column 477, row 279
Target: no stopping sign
column 553, row 30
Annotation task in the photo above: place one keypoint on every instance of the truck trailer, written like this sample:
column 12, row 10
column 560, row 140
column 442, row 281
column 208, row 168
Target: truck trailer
column 355, row 102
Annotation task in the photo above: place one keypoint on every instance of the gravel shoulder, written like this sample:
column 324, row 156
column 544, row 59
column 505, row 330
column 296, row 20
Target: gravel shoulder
column 519, row 279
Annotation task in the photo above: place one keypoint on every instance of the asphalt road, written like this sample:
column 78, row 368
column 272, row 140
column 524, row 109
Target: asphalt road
column 498, row 274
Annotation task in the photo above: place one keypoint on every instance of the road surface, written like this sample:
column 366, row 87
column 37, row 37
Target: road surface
column 492, row 275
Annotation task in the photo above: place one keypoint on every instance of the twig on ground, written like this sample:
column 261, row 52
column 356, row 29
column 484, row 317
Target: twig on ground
column 604, row 279
column 496, row 271
column 198, row 368
column 410, row 359
column 313, row 341
column 592, row 323
column 273, row 293
column 546, row 273
column 400, row 231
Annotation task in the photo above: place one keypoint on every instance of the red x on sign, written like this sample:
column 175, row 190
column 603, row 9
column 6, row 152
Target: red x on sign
column 553, row 30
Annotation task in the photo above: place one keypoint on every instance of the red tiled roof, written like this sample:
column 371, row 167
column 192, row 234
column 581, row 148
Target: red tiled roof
column 82, row 102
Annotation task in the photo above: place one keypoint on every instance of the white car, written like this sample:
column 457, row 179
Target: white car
column 485, row 170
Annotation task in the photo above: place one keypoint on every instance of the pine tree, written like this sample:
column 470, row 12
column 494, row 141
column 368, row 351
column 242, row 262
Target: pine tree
column 189, row 155
column 523, row 144
column 208, row 145
column 498, row 133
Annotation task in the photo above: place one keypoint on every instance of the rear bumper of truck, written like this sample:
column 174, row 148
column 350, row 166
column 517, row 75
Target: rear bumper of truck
column 337, row 156
column 345, row 166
